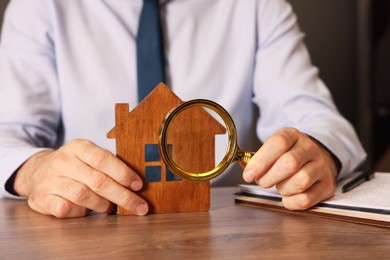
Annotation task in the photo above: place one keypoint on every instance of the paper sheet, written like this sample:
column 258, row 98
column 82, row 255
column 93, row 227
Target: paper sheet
column 370, row 194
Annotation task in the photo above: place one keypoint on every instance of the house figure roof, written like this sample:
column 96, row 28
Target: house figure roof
column 192, row 138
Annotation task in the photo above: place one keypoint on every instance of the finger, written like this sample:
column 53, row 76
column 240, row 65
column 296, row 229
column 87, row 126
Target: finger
column 286, row 166
column 51, row 204
column 106, row 162
column 300, row 181
column 81, row 195
column 318, row 192
column 109, row 189
column 270, row 151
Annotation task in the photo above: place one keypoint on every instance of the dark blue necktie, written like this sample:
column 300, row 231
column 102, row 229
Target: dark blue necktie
column 150, row 50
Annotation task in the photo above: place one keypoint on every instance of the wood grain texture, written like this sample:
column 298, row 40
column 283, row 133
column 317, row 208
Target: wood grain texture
column 194, row 132
column 227, row 231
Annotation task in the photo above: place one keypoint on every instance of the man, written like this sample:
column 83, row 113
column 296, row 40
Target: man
column 65, row 63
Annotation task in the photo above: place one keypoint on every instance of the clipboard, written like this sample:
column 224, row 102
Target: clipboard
column 356, row 206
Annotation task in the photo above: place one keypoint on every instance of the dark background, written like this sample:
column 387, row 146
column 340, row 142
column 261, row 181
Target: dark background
column 349, row 42
column 3, row 3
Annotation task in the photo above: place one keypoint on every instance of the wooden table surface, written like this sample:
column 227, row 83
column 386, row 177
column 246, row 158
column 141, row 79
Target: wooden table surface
column 227, row 231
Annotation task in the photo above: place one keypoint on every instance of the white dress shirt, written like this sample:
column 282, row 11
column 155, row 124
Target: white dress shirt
column 65, row 63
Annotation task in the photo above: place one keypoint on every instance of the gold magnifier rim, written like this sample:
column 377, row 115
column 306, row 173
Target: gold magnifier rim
column 232, row 140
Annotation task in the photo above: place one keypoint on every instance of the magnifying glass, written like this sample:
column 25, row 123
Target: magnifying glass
column 233, row 152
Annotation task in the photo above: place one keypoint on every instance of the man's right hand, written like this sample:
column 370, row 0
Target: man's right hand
column 77, row 178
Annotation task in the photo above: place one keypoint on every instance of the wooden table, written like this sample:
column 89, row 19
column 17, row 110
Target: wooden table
column 227, row 231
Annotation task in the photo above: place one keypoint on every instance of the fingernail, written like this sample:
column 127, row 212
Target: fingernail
column 142, row 209
column 136, row 185
column 249, row 175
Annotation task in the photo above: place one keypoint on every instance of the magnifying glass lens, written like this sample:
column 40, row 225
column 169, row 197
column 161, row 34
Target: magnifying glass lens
column 197, row 140
column 189, row 142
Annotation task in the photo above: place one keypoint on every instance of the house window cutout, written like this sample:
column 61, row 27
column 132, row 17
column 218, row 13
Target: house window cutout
column 153, row 165
column 152, row 173
column 170, row 176
column 151, row 153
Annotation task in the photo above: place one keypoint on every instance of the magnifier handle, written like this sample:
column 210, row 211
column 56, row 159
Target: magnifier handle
column 243, row 157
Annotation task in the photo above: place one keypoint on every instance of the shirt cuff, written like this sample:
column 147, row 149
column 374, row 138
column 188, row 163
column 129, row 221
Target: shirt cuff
column 336, row 160
column 350, row 156
column 10, row 162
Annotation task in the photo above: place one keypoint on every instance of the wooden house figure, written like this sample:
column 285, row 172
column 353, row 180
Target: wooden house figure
column 136, row 135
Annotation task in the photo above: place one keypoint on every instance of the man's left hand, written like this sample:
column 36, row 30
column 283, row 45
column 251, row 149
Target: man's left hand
column 302, row 170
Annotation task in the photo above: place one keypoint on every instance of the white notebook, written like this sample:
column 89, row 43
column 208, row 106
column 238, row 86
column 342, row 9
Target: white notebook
column 372, row 195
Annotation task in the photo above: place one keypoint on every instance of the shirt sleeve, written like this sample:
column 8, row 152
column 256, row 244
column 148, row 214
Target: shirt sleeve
column 289, row 92
column 29, row 99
